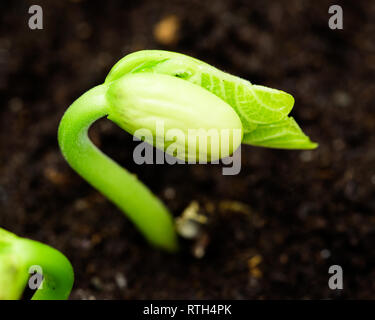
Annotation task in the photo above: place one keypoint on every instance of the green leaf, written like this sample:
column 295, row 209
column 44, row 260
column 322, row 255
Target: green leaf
column 253, row 104
column 263, row 111
column 285, row 134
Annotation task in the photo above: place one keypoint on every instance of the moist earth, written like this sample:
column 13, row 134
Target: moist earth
column 274, row 229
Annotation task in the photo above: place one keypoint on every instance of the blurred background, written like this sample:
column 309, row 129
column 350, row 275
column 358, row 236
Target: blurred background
column 274, row 229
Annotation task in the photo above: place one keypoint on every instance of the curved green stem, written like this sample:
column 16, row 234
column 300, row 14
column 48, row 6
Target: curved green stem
column 58, row 274
column 145, row 210
column 17, row 255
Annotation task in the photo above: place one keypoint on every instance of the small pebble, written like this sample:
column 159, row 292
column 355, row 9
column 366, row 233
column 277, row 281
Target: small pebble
column 325, row 253
column 81, row 204
column 97, row 283
column 253, row 264
column 54, row 176
column 84, row 295
column 306, row 156
column 166, row 30
column 15, row 104
column 341, row 99
column 169, row 193
column 254, row 261
column 188, row 229
column 121, row 281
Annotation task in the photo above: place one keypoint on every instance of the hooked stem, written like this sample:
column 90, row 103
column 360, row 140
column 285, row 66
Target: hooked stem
column 144, row 209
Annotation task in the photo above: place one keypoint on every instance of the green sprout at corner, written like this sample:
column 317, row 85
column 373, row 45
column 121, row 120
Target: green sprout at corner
column 19, row 255
column 151, row 85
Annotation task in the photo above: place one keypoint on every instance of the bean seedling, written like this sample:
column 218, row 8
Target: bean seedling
column 147, row 86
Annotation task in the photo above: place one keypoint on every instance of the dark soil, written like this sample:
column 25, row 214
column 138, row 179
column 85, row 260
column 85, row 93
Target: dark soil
column 275, row 228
